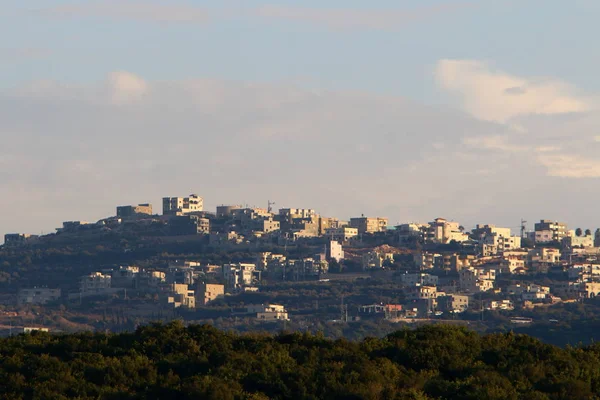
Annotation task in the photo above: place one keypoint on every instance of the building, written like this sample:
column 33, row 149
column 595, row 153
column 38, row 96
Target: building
column 421, row 292
column 411, row 232
column 96, row 282
column 474, row 280
column 334, row 251
column 16, row 239
column 495, row 241
column 376, row 259
column 238, row 275
column 227, row 211
column 369, row 225
column 182, row 205
column 454, row 303
column 37, row 295
column 576, row 242
column 550, row 231
column 542, row 258
column 342, row 234
column 132, row 211
column 290, row 214
column 268, row 312
column 188, row 225
column 180, row 295
column 419, row 279
column 444, row 232
column 207, row 292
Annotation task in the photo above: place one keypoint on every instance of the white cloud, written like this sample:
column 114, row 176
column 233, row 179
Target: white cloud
column 497, row 96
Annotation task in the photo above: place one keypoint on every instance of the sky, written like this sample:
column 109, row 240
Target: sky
column 482, row 111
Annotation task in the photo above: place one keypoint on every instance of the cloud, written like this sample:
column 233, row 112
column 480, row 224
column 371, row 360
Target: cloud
column 494, row 143
column 126, row 87
column 152, row 11
column 346, row 18
column 497, row 96
column 570, row 166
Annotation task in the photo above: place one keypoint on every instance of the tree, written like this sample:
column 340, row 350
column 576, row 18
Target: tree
column 588, row 232
column 578, row 232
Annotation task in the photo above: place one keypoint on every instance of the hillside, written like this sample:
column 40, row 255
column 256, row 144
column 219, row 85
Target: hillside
column 201, row 362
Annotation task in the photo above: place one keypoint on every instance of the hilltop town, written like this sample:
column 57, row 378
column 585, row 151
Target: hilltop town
column 254, row 268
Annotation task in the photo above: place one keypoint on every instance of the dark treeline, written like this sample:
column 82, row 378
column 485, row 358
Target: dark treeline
column 200, row 362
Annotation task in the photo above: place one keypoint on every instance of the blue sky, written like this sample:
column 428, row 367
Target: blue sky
column 494, row 103
column 522, row 37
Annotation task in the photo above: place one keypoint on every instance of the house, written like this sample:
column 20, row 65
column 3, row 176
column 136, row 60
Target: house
column 444, row 232
column 96, row 282
column 550, row 231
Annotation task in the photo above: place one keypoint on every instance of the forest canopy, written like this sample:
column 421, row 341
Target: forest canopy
column 200, row 362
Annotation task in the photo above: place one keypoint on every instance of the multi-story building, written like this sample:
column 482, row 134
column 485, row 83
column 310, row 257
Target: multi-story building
column 328, row 223
column 207, row 292
column 342, row 234
column 376, row 259
column 290, row 214
column 494, row 240
column 454, row 303
column 550, row 231
column 132, row 211
column 542, row 258
column 419, row 279
column 475, row 280
column 421, row 292
column 443, row 231
column 96, row 282
column 37, row 295
column 369, row 225
column 411, row 231
column 182, row 205
column 576, row 242
column 180, row 295
column 188, row 225
column 334, row 251
column 238, row 275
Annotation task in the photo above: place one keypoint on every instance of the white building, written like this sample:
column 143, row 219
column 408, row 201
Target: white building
column 182, row 205
column 376, row 259
column 335, row 251
column 239, row 275
column 476, row 279
column 443, row 231
column 268, row 312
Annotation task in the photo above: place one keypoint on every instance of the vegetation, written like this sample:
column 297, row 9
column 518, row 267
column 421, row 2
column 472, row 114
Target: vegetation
column 200, row 362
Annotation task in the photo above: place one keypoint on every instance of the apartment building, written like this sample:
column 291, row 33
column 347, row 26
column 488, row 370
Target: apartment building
column 369, row 225
column 182, row 205
column 342, row 234
column 207, row 292
column 550, row 231
column 444, row 231
column 268, row 312
column 334, row 251
column 180, row 295
column 376, row 260
column 421, row 279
